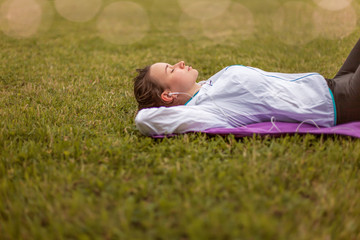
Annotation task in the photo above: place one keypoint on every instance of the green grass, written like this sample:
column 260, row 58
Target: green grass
column 74, row 166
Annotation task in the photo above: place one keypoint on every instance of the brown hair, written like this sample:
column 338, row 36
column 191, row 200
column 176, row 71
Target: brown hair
column 147, row 91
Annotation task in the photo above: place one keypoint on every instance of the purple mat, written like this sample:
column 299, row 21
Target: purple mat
column 281, row 128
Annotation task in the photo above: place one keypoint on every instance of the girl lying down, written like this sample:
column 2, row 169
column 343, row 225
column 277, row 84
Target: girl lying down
column 170, row 100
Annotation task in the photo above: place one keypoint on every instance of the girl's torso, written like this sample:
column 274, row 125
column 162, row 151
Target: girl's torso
column 248, row 94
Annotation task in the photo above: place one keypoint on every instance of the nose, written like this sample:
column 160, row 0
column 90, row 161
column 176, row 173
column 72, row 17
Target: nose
column 181, row 64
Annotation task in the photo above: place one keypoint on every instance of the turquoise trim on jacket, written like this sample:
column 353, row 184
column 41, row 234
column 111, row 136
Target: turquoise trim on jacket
column 333, row 99
column 310, row 74
column 192, row 97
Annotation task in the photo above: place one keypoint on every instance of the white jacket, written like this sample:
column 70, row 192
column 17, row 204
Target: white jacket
column 239, row 95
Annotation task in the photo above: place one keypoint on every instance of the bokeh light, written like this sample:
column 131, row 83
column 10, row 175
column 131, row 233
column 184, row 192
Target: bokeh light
column 191, row 28
column 333, row 5
column 78, row 10
column 123, row 23
column 236, row 22
column 47, row 15
column 335, row 24
column 20, row 18
column 164, row 15
column 204, row 9
column 293, row 23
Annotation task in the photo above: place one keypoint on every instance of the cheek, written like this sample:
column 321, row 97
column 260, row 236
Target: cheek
column 179, row 79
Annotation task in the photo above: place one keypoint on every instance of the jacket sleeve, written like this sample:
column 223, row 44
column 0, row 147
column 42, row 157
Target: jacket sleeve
column 176, row 119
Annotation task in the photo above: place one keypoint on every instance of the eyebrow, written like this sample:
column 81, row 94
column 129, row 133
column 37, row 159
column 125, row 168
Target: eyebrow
column 166, row 68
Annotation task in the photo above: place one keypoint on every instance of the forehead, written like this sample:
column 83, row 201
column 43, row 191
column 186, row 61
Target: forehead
column 158, row 70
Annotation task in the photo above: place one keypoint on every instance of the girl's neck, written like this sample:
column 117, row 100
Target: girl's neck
column 194, row 89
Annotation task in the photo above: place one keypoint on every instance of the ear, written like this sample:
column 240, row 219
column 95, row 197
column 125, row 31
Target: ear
column 165, row 97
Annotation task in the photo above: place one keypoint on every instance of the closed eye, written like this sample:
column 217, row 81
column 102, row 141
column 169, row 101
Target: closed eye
column 172, row 70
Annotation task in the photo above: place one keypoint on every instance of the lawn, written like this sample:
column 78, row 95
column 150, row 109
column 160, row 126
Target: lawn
column 74, row 166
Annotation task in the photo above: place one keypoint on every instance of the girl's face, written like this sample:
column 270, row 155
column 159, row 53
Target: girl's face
column 176, row 77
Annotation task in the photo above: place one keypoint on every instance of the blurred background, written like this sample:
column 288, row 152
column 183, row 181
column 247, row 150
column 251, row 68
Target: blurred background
column 210, row 21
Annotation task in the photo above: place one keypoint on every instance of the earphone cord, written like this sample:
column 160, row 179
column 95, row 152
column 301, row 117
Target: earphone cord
column 173, row 93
